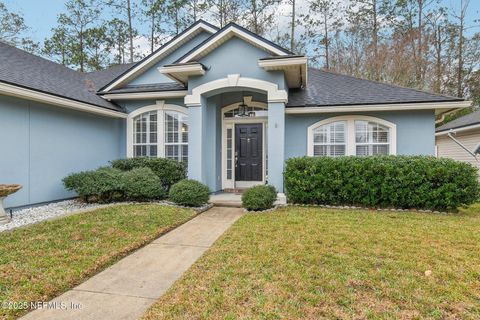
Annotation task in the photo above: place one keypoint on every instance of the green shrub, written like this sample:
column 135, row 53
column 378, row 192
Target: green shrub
column 382, row 181
column 190, row 193
column 259, row 198
column 142, row 184
column 108, row 184
column 169, row 171
column 102, row 185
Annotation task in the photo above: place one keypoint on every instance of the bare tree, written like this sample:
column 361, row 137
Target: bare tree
column 460, row 16
column 259, row 15
column 125, row 7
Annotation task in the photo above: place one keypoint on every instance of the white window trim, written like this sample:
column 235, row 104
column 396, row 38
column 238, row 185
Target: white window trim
column 350, row 132
column 160, row 106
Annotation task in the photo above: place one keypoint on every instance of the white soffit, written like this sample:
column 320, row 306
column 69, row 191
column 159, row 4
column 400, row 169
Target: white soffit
column 145, row 95
column 439, row 107
column 295, row 69
column 181, row 72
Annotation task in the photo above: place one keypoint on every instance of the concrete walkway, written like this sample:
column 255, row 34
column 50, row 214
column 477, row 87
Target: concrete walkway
column 129, row 287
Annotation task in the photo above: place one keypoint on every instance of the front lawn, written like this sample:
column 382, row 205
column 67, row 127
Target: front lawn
column 39, row 262
column 318, row 263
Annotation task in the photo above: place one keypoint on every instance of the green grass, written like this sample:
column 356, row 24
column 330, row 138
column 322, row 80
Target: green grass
column 39, row 262
column 311, row 263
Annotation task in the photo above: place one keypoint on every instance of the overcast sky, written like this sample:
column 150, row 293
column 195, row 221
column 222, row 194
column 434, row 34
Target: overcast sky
column 41, row 15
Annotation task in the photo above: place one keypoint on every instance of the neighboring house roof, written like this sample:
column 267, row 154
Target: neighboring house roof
column 23, row 69
column 464, row 121
column 333, row 89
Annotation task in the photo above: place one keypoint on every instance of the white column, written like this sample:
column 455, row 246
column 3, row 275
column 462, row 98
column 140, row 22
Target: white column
column 276, row 144
column 195, row 142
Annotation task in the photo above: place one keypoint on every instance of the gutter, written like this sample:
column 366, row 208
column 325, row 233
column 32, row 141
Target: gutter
column 42, row 97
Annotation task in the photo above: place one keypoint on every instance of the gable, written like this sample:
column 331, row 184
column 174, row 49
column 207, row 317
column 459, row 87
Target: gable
column 151, row 75
column 187, row 36
column 225, row 34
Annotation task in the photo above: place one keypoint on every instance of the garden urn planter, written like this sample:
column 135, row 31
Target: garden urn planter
column 5, row 191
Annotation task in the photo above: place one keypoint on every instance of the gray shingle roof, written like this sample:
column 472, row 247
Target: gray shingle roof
column 332, row 89
column 324, row 88
column 26, row 70
column 466, row 120
column 102, row 77
column 167, row 86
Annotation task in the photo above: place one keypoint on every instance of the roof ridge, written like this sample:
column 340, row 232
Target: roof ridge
column 385, row 83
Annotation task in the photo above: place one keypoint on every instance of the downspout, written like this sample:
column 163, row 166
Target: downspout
column 449, row 134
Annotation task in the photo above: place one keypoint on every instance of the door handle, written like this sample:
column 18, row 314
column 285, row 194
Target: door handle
column 236, row 161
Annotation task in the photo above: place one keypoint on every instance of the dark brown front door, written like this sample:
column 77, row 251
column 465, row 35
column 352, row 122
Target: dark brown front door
column 248, row 152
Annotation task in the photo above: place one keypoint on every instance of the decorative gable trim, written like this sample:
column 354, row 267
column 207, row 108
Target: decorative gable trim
column 163, row 51
column 225, row 34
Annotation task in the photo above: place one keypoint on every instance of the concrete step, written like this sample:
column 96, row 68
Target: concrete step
column 233, row 200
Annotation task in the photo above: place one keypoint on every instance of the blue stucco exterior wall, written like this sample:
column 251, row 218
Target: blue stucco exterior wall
column 41, row 144
column 415, row 130
column 152, row 75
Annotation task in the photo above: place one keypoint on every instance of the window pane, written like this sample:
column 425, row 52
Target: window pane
column 251, row 112
column 229, row 153
column 372, row 138
column 145, row 135
column 330, row 139
column 176, row 136
column 153, row 151
column 371, row 132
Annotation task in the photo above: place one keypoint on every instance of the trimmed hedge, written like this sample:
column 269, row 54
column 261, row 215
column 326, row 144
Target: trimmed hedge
column 382, row 181
column 259, row 198
column 168, row 170
column 109, row 184
column 190, row 193
column 142, row 184
column 101, row 185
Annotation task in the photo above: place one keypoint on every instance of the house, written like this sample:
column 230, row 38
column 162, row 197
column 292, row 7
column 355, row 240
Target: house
column 231, row 104
column 466, row 130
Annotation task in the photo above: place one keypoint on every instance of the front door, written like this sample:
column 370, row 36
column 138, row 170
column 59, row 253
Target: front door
column 248, row 152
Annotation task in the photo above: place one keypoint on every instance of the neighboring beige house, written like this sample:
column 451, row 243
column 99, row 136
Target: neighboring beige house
column 466, row 130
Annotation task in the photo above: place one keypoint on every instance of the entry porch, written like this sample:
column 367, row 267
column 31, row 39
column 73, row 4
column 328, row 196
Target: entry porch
column 237, row 139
